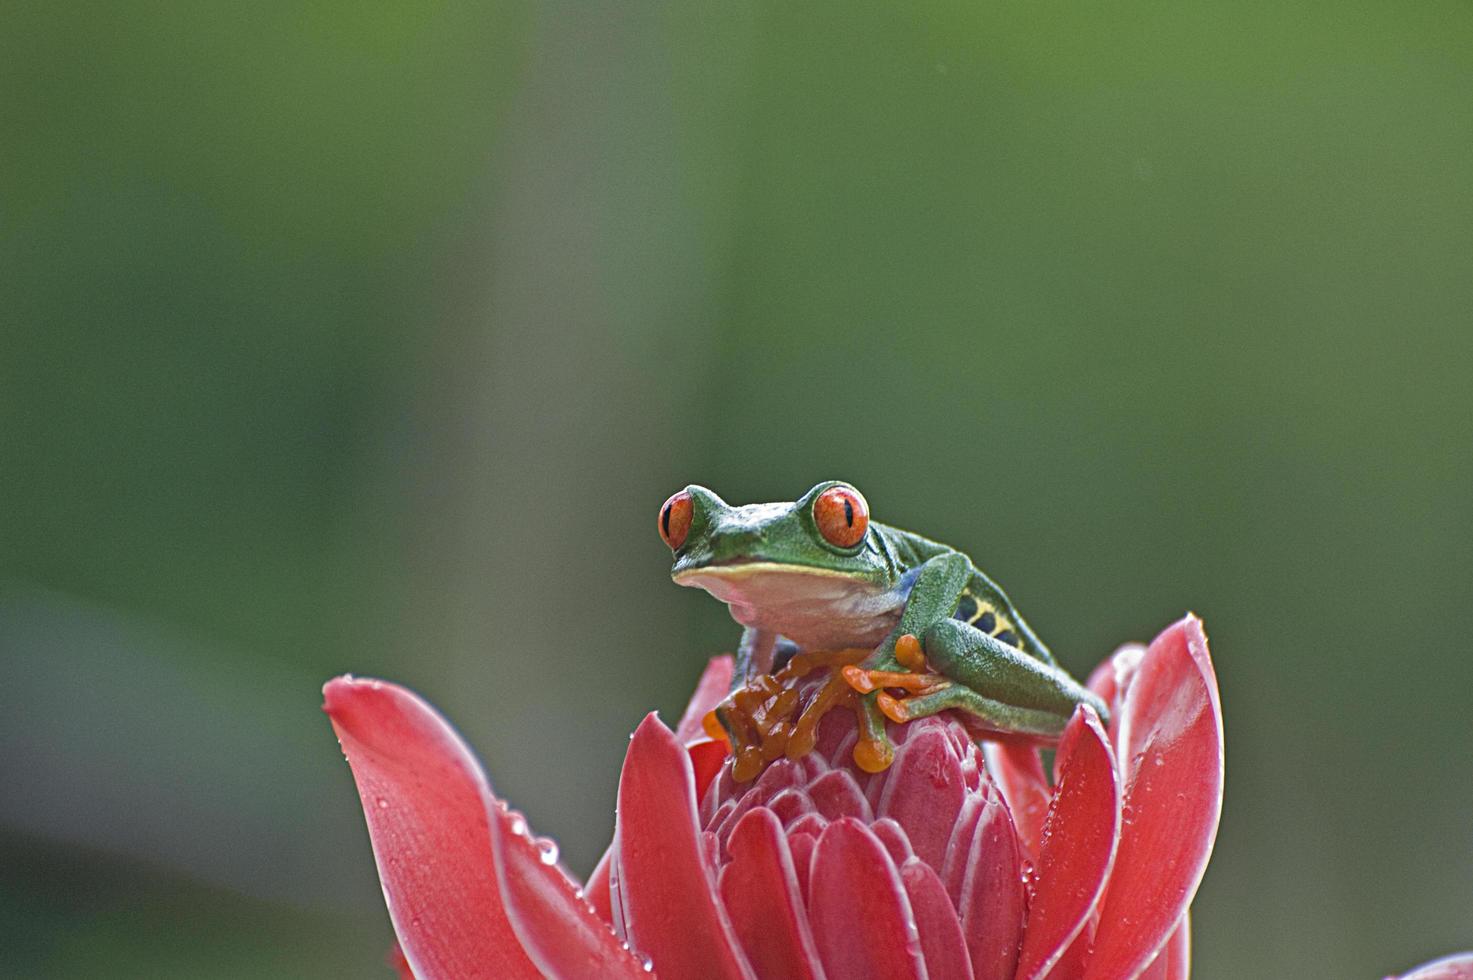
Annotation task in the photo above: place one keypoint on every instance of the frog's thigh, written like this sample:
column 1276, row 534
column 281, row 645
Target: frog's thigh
column 999, row 683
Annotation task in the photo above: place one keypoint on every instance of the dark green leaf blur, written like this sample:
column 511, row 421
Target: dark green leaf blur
column 369, row 337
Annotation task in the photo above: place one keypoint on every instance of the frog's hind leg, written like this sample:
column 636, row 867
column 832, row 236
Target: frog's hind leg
column 994, row 715
column 999, row 685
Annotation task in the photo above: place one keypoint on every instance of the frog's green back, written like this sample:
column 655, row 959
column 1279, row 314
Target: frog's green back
column 983, row 604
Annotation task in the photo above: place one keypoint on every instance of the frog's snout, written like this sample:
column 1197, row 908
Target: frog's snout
column 748, row 540
column 740, row 542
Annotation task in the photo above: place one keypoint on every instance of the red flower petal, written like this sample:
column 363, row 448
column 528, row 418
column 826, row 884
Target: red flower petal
column 710, row 689
column 893, row 838
column 399, row 964
column 924, row 793
column 941, row 932
column 561, row 933
column 668, row 904
column 706, row 758
column 836, row 795
column 1017, row 770
column 1110, row 679
column 425, row 800
column 959, row 849
column 1170, row 750
column 1078, row 846
column 760, row 889
column 706, row 754
column 802, row 846
column 1457, row 967
column 781, row 775
column 991, row 903
column 597, row 889
column 1174, row 962
column 861, row 919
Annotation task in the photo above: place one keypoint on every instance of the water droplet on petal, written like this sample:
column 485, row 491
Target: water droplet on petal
column 647, row 964
column 547, row 850
column 383, row 803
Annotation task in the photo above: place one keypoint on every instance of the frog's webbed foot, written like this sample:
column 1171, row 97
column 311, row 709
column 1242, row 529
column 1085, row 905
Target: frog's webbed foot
column 757, row 719
column 874, row 681
column 873, row 675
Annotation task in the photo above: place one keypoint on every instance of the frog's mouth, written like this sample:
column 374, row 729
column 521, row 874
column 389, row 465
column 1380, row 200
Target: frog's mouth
column 733, row 576
column 788, row 598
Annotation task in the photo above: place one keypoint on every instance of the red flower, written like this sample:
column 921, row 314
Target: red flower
column 958, row 861
column 1457, row 967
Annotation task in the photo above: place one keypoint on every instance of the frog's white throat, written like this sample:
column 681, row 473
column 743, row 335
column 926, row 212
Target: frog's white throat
column 816, row 608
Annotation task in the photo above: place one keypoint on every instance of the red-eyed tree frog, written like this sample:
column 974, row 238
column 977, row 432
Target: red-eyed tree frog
column 909, row 625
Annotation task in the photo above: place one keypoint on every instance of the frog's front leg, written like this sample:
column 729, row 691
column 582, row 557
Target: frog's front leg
column 933, row 597
column 754, row 655
column 1003, row 688
column 759, row 654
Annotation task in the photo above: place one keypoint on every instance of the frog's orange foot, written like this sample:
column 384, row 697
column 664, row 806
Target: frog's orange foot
column 864, row 681
column 805, row 662
column 758, row 719
column 762, row 721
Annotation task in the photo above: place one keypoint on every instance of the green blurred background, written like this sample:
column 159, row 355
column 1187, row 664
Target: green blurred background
column 370, row 337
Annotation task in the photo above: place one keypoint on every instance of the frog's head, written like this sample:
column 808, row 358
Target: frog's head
column 765, row 559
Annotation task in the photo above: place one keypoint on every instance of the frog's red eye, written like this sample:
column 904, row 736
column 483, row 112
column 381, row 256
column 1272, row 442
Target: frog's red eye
column 675, row 520
column 842, row 516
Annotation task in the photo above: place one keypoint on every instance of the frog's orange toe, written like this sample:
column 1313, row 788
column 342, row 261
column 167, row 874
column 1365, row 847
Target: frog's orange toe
column 874, row 755
column 865, row 681
column 893, row 708
column 712, row 726
column 747, row 764
column 859, row 679
column 909, row 653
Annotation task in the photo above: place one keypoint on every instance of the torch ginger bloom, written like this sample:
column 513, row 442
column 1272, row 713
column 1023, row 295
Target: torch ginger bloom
column 1456, row 967
column 959, row 861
